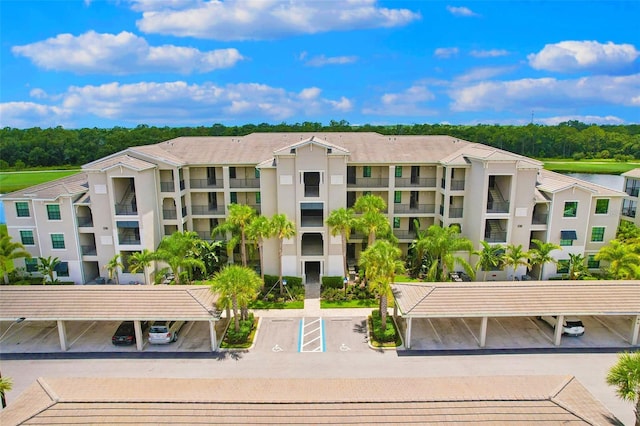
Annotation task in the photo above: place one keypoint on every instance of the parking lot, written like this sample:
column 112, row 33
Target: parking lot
column 338, row 334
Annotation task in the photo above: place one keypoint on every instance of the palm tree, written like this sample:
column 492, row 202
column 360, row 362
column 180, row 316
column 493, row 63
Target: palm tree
column 10, row 250
column 625, row 376
column 47, row 266
column 177, row 251
column 373, row 223
column 112, row 267
column 577, row 267
column 381, row 262
column 341, row 221
column 489, row 258
column 237, row 284
column 259, row 230
column 623, row 261
column 515, row 257
column 140, row 261
column 370, row 203
column 417, row 249
column 282, row 229
column 442, row 245
column 238, row 219
column 541, row 254
column 6, row 384
column 207, row 251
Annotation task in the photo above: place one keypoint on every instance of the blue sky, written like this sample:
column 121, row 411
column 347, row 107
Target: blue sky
column 189, row 63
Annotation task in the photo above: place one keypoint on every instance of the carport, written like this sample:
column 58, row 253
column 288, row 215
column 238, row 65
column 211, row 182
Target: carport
column 109, row 303
column 518, row 299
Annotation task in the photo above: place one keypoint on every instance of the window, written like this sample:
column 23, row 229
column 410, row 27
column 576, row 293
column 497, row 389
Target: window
column 62, row 269
column 602, row 206
column 258, row 198
column 31, row 265
column 563, row 266
column 398, row 171
column 597, row 234
column 57, row 241
column 53, row 211
column 397, row 197
column 232, row 172
column 566, row 242
column 27, row 238
column 366, row 171
column 570, row 208
column 592, row 263
column 234, row 197
column 396, row 222
column 22, row 209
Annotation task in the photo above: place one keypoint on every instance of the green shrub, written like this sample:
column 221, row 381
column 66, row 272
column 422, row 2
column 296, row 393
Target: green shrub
column 383, row 336
column 242, row 335
column 332, row 282
column 294, row 285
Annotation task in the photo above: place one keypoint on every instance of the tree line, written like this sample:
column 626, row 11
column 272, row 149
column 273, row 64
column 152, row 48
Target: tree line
column 57, row 147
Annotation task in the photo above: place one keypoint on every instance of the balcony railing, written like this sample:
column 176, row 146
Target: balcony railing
column 629, row 212
column 88, row 250
column 497, row 237
column 404, row 234
column 205, row 183
column 244, row 183
column 415, row 208
column 312, row 249
column 539, row 219
column 457, row 185
column 420, row 182
column 455, row 212
column 126, row 210
column 497, row 207
column 85, row 221
column 169, row 214
column 167, row 187
column 369, row 183
column 206, row 209
column 632, row 192
column 126, row 239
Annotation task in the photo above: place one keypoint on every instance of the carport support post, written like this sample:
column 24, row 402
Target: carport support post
column 408, row 333
column 557, row 335
column 635, row 329
column 212, row 333
column 137, row 327
column 62, row 333
column 483, row 331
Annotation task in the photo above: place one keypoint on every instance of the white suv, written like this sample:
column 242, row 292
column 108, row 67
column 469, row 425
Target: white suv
column 571, row 326
column 164, row 331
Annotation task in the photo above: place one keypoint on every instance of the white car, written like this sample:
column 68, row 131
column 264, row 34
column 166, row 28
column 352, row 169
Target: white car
column 164, row 331
column 571, row 326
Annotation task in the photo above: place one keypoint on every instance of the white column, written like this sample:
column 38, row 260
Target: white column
column 212, row 333
column 62, row 333
column 558, row 330
column 635, row 329
column 407, row 336
column 483, row 331
column 138, row 331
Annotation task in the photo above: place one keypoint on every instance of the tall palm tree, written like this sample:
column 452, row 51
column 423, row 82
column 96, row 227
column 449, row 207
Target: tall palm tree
column 417, row 249
column 515, row 257
column 140, row 261
column 6, row 384
column 238, row 219
column 340, row 222
column 370, row 203
column 541, row 254
column 112, row 267
column 577, row 267
column 47, row 266
column 381, row 262
column 177, row 251
column 237, row 284
column 283, row 229
column 10, row 250
column 373, row 224
column 443, row 246
column 623, row 261
column 259, row 230
column 489, row 258
column 625, row 376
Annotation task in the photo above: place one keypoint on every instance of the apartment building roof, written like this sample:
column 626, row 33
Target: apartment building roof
column 72, row 185
column 549, row 181
column 540, row 400
column 516, row 298
column 635, row 173
column 117, row 160
column 106, row 302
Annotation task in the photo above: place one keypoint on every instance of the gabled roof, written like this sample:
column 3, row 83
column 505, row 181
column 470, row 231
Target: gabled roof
column 553, row 182
column 635, row 173
column 487, row 153
column 539, row 400
column 313, row 140
column 70, row 186
column 119, row 160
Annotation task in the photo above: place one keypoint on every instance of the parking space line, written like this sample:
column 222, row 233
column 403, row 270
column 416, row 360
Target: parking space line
column 624, row 339
column 470, row 331
column 311, row 335
column 434, row 331
column 82, row 334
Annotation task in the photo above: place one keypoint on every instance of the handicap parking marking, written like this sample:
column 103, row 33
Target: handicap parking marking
column 277, row 348
column 311, row 335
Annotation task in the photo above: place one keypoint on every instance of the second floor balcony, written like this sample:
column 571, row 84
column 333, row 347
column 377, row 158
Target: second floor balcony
column 368, row 182
column 414, row 208
column 207, row 209
column 244, row 183
column 205, row 183
column 423, row 182
column 89, row 250
column 455, row 212
column 540, row 219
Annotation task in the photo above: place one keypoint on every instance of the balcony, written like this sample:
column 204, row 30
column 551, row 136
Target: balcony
column 125, row 209
column 413, row 182
column 169, row 214
column 244, row 183
column 204, row 183
column 85, row 221
column 497, row 207
column 414, row 208
column 455, row 212
column 369, row 183
column 457, row 185
column 88, row 250
column 629, row 212
column 167, row 186
column 128, row 239
column 182, row 185
column 540, row 219
column 404, row 234
column 496, row 237
column 204, row 210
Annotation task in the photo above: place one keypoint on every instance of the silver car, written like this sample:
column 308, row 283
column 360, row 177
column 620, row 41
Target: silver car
column 164, row 331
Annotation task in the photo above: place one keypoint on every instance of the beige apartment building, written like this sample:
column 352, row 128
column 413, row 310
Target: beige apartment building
column 129, row 200
column 630, row 203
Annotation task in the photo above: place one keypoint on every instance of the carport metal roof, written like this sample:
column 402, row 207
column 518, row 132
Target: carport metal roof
column 106, row 303
column 508, row 299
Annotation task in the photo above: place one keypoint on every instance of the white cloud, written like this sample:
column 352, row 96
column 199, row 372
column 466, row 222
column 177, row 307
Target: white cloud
column 123, row 53
column 484, row 73
column 173, row 102
column 408, row 102
column 589, row 119
column 547, row 93
column 573, row 56
column 493, row 53
column 319, row 61
column 461, row 11
column 446, row 52
column 264, row 19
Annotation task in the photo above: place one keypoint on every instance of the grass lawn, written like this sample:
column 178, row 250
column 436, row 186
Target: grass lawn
column 14, row 181
column 263, row 304
column 361, row 303
column 406, row 279
column 590, row 166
